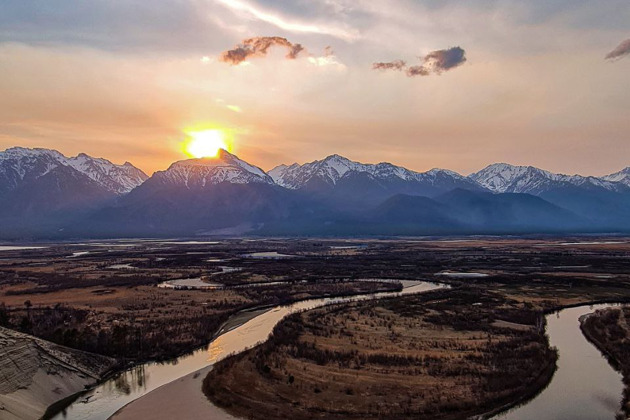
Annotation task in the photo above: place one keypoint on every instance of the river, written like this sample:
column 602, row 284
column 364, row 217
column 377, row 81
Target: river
column 108, row 397
column 583, row 387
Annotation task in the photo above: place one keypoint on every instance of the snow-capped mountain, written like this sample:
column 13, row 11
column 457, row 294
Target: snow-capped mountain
column 20, row 166
column 622, row 176
column 116, row 178
column 333, row 169
column 199, row 195
column 199, row 173
column 46, row 194
column 502, row 177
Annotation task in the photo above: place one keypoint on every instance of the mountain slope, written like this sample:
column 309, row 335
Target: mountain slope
column 502, row 177
column 334, row 168
column 347, row 185
column 198, row 195
column 43, row 190
column 37, row 373
column 119, row 179
column 622, row 176
column 20, row 166
column 47, row 194
column 204, row 172
column 509, row 212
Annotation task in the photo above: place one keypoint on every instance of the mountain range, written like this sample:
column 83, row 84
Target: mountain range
column 46, row 194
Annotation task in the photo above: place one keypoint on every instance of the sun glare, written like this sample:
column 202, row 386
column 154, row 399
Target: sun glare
column 206, row 143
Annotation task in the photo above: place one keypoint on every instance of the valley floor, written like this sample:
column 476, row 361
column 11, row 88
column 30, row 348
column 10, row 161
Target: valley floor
column 103, row 297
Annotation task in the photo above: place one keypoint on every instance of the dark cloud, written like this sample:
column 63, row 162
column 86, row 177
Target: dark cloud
column 620, row 51
column 436, row 62
column 414, row 71
column 392, row 65
column 444, row 60
column 258, row 47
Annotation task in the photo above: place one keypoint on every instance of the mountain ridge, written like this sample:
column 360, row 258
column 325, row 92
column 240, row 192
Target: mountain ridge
column 49, row 194
column 18, row 163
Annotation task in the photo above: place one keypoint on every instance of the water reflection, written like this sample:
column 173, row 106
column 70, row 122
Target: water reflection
column 584, row 386
column 109, row 397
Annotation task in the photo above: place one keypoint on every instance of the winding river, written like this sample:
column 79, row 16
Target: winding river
column 113, row 394
column 583, row 387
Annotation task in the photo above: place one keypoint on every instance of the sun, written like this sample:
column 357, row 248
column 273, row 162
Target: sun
column 206, row 143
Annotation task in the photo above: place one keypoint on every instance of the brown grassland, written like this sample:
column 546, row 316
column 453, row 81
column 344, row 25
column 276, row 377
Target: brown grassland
column 470, row 349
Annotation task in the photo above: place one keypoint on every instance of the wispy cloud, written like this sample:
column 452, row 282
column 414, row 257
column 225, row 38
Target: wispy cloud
column 258, row 47
column 346, row 34
column 414, row 71
column 328, row 59
column 436, row 62
column 620, row 51
column 392, row 65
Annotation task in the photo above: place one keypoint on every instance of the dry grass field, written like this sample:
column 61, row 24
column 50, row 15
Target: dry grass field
column 446, row 354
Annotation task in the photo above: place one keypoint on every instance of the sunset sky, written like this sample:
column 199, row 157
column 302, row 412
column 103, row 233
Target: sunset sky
column 537, row 82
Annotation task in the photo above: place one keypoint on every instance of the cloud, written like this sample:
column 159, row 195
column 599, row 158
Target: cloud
column 258, row 47
column 620, row 51
column 436, row 62
column 347, row 34
column 444, row 60
column 392, row 65
column 417, row 71
column 328, row 59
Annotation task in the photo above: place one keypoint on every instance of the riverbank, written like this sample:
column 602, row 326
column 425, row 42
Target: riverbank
column 609, row 331
column 182, row 398
column 36, row 373
column 252, row 333
column 439, row 355
column 192, row 361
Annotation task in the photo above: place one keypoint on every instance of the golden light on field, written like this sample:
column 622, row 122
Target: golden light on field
column 206, row 143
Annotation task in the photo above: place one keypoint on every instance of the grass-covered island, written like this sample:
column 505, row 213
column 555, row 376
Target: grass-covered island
column 442, row 355
column 609, row 331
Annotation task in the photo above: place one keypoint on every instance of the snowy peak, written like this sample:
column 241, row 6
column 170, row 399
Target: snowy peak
column 202, row 172
column 19, row 165
column 503, row 177
column 622, row 177
column 119, row 179
column 335, row 167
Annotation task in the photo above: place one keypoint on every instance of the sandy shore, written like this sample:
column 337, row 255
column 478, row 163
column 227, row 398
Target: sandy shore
column 182, row 398
column 36, row 373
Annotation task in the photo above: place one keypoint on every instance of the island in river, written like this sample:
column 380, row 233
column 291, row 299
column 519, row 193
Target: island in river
column 445, row 354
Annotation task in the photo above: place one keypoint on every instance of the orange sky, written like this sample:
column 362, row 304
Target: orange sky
column 116, row 83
